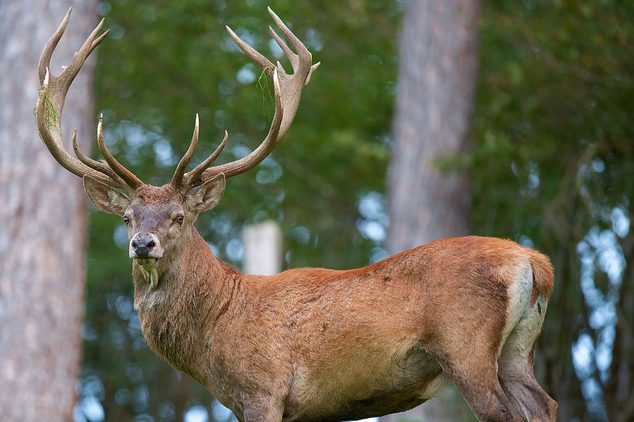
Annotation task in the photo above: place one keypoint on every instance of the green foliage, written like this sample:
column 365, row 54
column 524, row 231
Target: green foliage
column 50, row 115
column 553, row 163
column 555, row 91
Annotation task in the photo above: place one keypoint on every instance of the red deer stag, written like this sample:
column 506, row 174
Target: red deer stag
column 313, row 344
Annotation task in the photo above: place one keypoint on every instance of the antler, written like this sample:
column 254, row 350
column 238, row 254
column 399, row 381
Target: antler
column 288, row 90
column 48, row 116
column 50, row 103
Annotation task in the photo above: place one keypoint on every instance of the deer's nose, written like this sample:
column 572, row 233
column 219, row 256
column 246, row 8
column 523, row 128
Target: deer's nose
column 142, row 245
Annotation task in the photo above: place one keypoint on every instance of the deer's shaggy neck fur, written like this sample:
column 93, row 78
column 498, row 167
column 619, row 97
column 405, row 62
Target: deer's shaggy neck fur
column 194, row 291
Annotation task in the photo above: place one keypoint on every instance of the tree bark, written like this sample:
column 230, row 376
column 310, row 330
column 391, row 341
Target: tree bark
column 42, row 243
column 437, row 78
column 434, row 106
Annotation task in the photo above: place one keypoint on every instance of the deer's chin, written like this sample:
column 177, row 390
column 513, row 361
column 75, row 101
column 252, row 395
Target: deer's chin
column 146, row 262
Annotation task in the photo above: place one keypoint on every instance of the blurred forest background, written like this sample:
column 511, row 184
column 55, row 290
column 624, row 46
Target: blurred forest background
column 550, row 165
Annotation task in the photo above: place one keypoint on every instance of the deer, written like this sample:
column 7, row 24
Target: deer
column 312, row 344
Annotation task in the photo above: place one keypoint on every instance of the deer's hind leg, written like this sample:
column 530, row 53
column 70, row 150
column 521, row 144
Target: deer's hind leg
column 515, row 368
column 478, row 382
column 469, row 357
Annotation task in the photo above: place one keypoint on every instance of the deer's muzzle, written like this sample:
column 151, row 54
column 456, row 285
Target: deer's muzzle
column 144, row 246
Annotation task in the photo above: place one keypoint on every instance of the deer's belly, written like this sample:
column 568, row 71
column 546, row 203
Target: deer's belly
column 365, row 389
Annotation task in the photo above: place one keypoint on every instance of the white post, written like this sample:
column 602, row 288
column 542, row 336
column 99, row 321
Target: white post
column 262, row 248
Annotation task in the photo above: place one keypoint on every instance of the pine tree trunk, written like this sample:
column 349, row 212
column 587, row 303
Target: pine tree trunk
column 437, row 77
column 43, row 213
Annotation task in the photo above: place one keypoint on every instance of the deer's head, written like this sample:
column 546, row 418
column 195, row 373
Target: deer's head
column 158, row 218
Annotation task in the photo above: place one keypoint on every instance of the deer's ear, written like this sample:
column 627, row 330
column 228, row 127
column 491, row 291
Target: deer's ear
column 207, row 195
column 104, row 197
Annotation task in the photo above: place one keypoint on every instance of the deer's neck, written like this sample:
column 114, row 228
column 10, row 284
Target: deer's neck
column 194, row 290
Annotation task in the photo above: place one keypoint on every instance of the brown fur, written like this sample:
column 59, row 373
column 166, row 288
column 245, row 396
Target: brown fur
column 314, row 344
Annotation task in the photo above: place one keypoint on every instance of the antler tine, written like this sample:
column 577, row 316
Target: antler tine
column 193, row 178
column 264, row 63
column 292, row 57
column 177, row 179
column 47, row 53
column 288, row 89
column 78, row 59
column 181, row 181
column 295, row 42
column 96, row 165
column 302, row 55
column 126, row 175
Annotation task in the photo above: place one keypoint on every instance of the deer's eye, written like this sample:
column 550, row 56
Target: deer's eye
column 179, row 219
column 126, row 220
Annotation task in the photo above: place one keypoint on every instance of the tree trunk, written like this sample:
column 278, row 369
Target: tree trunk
column 437, row 78
column 42, row 243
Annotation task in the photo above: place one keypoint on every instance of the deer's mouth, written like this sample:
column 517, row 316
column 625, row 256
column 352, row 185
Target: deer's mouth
column 146, row 261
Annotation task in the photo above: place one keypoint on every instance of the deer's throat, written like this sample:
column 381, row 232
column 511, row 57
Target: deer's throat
column 150, row 274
